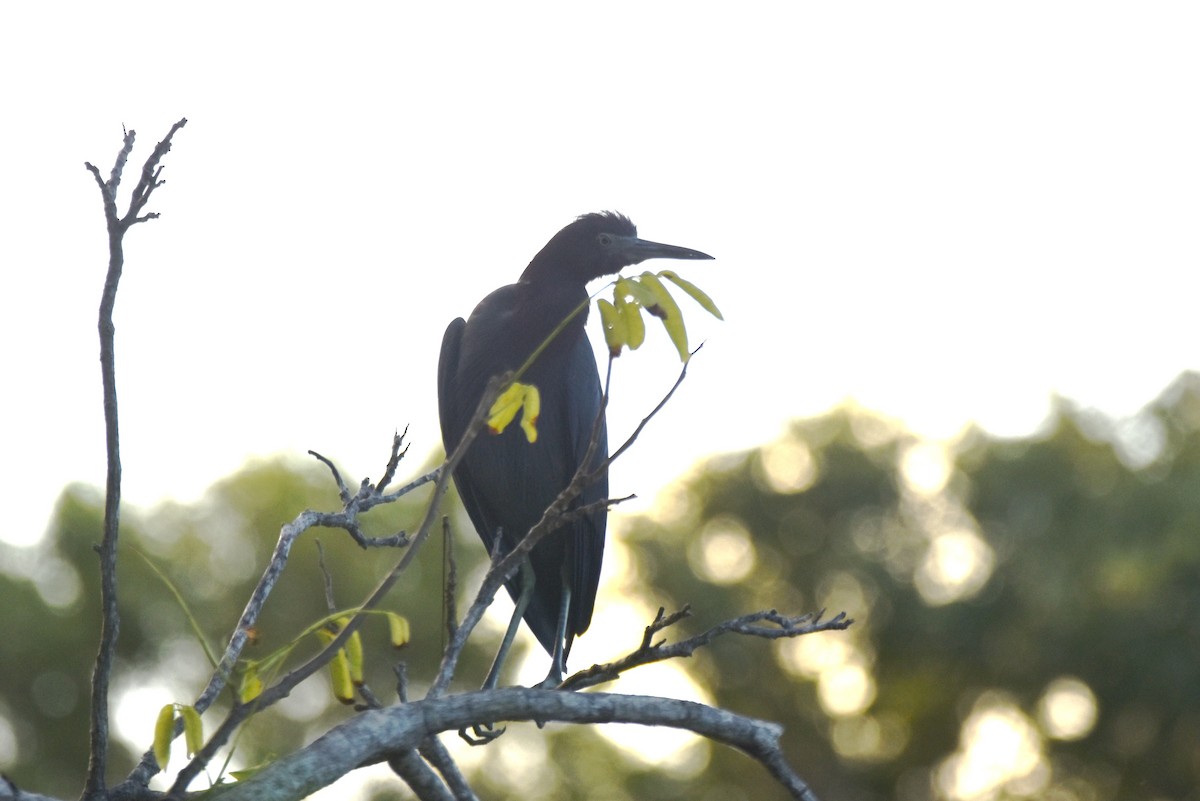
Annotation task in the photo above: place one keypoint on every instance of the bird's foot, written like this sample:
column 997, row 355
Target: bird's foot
column 552, row 681
column 481, row 734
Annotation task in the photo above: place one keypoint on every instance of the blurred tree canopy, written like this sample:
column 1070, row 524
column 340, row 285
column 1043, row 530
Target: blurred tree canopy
column 1028, row 614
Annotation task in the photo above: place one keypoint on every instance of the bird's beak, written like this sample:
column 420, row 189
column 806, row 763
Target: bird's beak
column 637, row 250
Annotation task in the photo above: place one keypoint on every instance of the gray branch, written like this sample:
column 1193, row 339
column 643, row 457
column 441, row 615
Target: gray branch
column 380, row 734
column 110, row 623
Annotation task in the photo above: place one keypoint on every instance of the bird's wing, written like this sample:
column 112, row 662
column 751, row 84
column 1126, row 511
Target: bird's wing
column 452, row 426
column 482, row 477
column 456, row 412
column 584, row 390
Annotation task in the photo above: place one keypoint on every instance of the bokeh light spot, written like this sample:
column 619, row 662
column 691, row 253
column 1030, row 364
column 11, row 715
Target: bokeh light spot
column 1067, row 709
column 926, row 468
column 868, row 738
column 787, row 466
column 999, row 749
column 724, row 553
column 57, row 582
column 846, row 690
column 957, row 565
column 811, row 655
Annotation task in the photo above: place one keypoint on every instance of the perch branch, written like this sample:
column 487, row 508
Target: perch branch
column 377, row 735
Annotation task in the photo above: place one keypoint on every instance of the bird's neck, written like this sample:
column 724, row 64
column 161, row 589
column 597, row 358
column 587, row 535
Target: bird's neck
column 547, row 304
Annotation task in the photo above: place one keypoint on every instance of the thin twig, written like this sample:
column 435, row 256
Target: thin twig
column 401, row 671
column 394, row 462
column 780, row 627
column 110, row 625
column 330, row 604
column 343, row 491
column 450, row 602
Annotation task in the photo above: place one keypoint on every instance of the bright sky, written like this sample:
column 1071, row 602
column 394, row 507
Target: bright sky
column 947, row 211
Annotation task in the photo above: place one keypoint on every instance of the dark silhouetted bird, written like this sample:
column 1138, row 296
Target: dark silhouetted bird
column 507, row 482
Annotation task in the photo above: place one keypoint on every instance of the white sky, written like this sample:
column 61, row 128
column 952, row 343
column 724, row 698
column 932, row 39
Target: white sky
column 946, row 211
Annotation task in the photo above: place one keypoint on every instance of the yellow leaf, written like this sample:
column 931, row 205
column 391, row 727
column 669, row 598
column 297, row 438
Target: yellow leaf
column 398, row 629
column 533, row 408
column 339, row 677
column 505, row 408
column 512, row 400
column 696, row 292
column 193, row 729
column 354, row 655
column 629, row 287
column 164, row 730
column 672, row 318
column 635, row 326
column 615, row 334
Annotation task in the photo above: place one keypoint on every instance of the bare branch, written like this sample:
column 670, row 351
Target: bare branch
column 646, row 420
column 150, row 178
column 394, row 462
column 110, row 622
column 343, row 491
column 780, row 627
column 379, row 734
column 330, row 604
column 437, row 755
column 449, row 596
column 420, row 778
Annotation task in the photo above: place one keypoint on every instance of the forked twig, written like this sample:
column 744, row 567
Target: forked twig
column 649, row 651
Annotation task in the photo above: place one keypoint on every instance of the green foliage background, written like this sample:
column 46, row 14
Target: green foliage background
column 1091, row 534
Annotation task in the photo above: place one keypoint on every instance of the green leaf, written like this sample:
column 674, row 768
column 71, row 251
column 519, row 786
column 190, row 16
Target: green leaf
column 252, row 685
column 193, row 729
column 164, row 730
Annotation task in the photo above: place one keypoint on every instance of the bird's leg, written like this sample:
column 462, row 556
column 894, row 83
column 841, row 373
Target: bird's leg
column 514, row 623
column 557, row 666
column 486, row 732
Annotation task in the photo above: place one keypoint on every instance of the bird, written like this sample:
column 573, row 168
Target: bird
column 505, row 481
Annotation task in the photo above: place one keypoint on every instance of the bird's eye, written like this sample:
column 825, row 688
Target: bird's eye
column 605, row 240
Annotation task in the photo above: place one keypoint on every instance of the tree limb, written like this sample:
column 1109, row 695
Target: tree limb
column 372, row 735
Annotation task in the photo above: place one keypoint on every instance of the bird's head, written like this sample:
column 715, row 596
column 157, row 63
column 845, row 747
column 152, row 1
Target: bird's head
column 597, row 244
